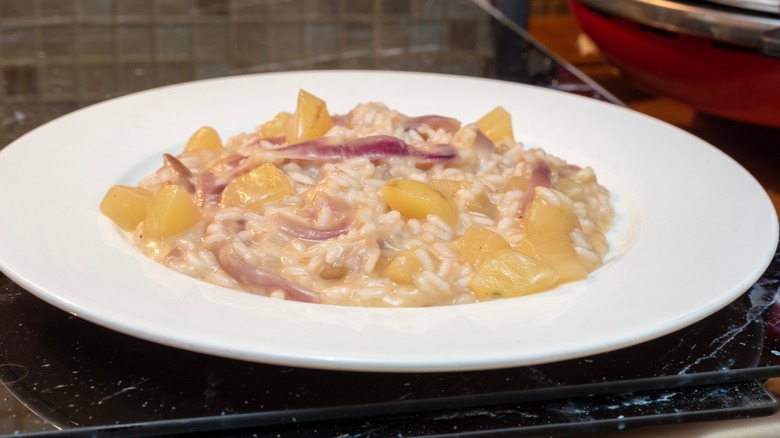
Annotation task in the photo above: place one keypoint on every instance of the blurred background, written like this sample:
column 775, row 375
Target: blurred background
column 59, row 55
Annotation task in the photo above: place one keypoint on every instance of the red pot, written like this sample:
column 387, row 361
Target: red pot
column 720, row 61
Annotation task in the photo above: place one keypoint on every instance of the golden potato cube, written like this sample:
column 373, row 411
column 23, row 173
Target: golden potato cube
column 555, row 249
column 415, row 199
column 549, row 212
column 172, row 211
column 478, row 245
column 126, row 205
column 497, row 126
column 403, row 267
column 205, row 138
column 480, row 204
column 510, row 273
column 277, row 126
column 311, row 119
column 266, row 183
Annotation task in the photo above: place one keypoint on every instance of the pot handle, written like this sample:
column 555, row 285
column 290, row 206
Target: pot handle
column 770, row 43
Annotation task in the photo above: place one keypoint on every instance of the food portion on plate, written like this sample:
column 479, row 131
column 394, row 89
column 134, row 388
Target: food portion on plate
column 369, row 208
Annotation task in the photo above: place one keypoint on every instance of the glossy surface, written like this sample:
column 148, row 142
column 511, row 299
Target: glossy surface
column 415, row 199
column 171, row 212
column 253, row 190
column 126, row 205
column 205, row 138
column 626, row 149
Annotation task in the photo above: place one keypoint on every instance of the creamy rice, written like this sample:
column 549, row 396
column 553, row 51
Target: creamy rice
column 353, row 232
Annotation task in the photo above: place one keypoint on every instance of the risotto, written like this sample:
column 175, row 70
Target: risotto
column 369, row 208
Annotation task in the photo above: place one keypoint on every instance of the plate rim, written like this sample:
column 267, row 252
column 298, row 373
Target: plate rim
column 358, row 364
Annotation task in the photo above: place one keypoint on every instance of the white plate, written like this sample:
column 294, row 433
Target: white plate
column 693, row 230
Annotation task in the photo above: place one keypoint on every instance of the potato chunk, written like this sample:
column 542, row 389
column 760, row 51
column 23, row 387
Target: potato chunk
column 266, row 183
column 311, row 119
column 126, row 205
column 549, row 212
column 510, row 273
column 415, row 199
column 480, row 204
column 205, row 138
column 172, row 211
column 403, row 267
column 276, row 126
column 478, row 245
column 497, row 126
column 555, row 249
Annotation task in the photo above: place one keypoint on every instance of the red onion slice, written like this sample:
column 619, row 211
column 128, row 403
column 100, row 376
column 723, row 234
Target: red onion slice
column 242, row 270
column 306, row 232
column 181, row 173
column 375, row 147
column 541, row 176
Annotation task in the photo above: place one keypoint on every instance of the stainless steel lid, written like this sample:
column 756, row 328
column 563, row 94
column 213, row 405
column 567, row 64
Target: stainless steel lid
column 771, row 6
column 749, row 29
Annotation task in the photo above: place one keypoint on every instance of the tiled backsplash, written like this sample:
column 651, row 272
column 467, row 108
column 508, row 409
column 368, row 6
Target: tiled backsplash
column 59, row 55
